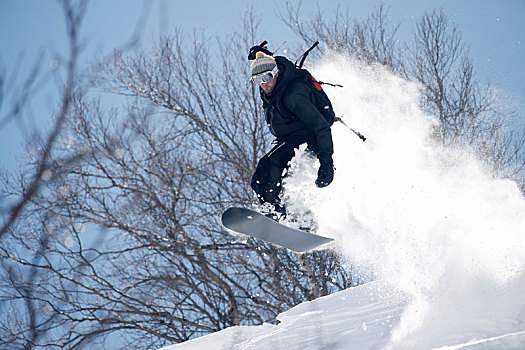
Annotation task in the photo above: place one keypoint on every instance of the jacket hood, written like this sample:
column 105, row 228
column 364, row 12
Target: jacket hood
column 286, row 73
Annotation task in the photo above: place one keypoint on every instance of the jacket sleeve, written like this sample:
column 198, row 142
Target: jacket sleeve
column 300, row 102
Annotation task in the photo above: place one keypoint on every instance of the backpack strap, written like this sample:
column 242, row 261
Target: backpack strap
column 325, row 83
column 305, row 54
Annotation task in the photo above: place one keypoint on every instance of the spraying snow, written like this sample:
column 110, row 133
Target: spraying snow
column 445, row 239
column 428, row 219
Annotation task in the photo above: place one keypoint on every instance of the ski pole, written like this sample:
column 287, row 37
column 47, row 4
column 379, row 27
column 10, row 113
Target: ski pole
column 338, row 119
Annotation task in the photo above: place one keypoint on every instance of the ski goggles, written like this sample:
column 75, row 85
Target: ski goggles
column 265, row 77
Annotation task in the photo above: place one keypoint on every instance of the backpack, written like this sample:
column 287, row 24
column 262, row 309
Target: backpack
column 322, row 102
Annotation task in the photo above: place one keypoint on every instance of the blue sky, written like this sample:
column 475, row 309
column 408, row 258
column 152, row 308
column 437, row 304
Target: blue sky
column 494, row 30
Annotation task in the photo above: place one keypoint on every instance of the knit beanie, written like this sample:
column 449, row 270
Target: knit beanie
column 263, row 63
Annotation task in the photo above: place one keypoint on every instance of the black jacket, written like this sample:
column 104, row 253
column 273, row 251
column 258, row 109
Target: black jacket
column 290, row 110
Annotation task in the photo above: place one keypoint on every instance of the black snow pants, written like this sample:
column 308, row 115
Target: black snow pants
column 267, row 179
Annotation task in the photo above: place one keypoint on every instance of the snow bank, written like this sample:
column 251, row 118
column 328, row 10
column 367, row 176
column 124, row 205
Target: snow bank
column 358, row 318
column 427, row 219
column 361, row 317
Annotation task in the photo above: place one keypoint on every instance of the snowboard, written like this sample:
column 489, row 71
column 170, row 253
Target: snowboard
column 257, row 225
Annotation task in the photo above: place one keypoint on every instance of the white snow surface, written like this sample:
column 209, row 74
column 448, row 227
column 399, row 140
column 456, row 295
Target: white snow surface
column 442, row 236
column 363, row 318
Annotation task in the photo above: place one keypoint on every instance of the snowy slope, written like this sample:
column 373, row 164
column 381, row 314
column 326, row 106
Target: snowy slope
column 359, row 316
column 442, row 234
column 363, row 318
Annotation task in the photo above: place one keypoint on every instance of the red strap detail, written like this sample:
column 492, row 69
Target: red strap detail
column 317, row 85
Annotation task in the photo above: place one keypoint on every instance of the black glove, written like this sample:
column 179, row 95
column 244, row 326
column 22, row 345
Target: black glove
column 325, row 175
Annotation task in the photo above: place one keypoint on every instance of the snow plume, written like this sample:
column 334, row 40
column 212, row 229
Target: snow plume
column 428, row 219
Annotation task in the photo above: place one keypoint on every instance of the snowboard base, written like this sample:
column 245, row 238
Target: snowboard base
column 254, row 224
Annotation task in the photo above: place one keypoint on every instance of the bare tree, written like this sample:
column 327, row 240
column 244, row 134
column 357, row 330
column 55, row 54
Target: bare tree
column 468, row 113
column 371, row 40
column 73, row 14
column 23, row 312
column 154, row 179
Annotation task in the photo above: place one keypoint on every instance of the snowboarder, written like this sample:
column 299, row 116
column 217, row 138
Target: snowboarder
column 292, row 112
